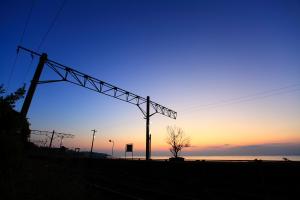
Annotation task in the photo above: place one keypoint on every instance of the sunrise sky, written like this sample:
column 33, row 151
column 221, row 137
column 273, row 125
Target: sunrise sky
column 231, row 70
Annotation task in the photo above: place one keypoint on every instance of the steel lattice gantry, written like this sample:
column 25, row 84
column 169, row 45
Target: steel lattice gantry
column 78, row 78
column 51, row 134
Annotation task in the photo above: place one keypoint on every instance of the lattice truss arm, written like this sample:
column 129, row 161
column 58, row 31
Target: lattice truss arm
column 78, row 78
column 73, row 76
column 47, row 134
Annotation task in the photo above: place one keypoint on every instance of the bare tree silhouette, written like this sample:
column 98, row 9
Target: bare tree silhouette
column 177, row 140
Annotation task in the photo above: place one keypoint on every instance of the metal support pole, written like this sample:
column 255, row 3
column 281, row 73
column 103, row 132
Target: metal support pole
column 150, row 150
column 51, row 139
column 112, row 149
column 147, row 129
column 33, row 85
column 94, row 131
column 61, row 140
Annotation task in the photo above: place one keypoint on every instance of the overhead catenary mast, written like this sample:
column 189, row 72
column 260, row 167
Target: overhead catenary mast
column 52, row 135
column 78, row 78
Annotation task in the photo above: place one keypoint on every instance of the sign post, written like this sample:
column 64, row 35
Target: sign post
column 129, row 148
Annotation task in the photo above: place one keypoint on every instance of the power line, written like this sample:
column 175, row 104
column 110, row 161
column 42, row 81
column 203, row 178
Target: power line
column 259, row 95
column 28, row 69
column 12, row 71
column 52, row 24
column 20, row 43
column 45, row 36
column 244, row 97
column 27, row 22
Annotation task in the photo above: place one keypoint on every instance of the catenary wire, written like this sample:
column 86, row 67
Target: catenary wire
column 242, row 100
column 20, row 43
column 52, row 24
column 250, row 96
column 45, row 36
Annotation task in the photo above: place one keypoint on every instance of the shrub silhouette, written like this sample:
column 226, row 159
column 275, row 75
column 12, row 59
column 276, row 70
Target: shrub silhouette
column 176, row 140
column 14, row 130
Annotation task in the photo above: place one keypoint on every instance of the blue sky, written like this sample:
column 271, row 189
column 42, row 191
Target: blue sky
column 184, row 54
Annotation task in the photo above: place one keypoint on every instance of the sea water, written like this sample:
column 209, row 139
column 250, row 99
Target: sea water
column 228, row 158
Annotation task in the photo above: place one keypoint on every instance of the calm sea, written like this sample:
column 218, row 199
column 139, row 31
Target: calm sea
column 267, row 158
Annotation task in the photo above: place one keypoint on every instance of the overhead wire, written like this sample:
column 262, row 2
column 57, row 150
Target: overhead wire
column 45, row 36
column 52, row 24
column 11, row 72
column 260, row 97
column 27, row 22
column 253, row 97
column 28, row 69
column 20, row 43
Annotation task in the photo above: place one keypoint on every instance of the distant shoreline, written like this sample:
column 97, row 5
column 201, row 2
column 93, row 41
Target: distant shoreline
column 225, row 158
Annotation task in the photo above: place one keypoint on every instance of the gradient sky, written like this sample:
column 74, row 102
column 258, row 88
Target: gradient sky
column 231, row 69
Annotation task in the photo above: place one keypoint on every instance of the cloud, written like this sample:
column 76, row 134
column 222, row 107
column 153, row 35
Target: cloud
column 260, row 149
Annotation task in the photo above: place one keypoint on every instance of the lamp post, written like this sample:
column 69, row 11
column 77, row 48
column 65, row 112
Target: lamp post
column 94, row 131
column 112, row 148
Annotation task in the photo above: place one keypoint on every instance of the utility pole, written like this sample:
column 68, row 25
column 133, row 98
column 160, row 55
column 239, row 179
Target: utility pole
column 147, row 129
column 94, row 131
column 33, row 85
column 51, row 139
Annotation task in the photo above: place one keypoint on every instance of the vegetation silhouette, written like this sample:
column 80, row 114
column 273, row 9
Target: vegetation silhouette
column 14, row 133
column 176, row 140
column 12, row 122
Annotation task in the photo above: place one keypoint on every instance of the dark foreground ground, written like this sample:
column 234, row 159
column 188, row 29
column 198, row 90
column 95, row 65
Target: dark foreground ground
column 60, row 177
